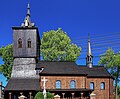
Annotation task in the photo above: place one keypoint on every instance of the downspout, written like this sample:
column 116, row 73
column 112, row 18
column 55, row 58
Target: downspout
column 85, row 83
column 109, row 87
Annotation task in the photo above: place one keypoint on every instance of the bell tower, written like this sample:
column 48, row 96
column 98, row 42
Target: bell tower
column 26, row 39
column 89, row 57
column 26, row 48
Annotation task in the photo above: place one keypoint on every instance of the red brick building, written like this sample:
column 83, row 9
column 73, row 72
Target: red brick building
column 66, row 79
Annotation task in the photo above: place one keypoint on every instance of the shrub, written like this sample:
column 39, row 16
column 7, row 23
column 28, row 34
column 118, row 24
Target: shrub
column 39, row 95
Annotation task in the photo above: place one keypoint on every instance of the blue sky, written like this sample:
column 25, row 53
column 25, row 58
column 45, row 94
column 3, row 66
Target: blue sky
column 76, row 17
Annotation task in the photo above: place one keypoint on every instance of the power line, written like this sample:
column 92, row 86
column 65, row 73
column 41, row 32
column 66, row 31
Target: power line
column 100, row 48
column 95, row 56
column 98, row 35
column 105, row 40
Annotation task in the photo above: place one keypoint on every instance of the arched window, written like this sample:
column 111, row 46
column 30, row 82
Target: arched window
column 102, row 85
column 90, row 59
column 19, row 43
column 58, row 84
column 72, row 84
column 29, row 43
column 92, row 85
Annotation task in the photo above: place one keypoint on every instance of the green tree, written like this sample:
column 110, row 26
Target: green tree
column 119, row 91
column 57, row 46
column 39, row 95
column 6, row 53
column 112, row 62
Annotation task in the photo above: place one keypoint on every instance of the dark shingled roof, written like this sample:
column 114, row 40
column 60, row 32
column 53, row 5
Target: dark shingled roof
column 23, row 84
column 95, row 71
column 60, row 68
column 71, row 68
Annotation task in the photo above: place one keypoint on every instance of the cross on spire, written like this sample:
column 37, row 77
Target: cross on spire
column 27, row 22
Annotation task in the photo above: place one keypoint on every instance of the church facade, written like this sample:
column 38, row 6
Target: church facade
column 67, row 79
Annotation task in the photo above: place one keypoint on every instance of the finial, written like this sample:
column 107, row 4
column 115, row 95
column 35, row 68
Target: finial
column 89, row 37
column 27, row 22
column 28, row 5
column 28, row 10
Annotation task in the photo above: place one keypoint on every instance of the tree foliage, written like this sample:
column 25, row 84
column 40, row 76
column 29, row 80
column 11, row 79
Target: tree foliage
column 6, row 53
column 119, row 90
column 107, row 58
column 57, row 46
column 112, row 62
column 39, row 95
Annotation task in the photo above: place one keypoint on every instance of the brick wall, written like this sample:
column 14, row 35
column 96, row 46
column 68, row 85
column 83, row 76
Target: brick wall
column 65, row 81
column 107, row 93
column 82, row 82
column 111, row 89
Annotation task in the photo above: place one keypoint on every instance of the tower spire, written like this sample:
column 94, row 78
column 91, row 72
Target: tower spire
column 27, row 22
column 89, row 46
column 89, row 58
column 28, row 10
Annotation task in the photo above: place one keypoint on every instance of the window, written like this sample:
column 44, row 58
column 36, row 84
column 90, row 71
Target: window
column 92, row 85
column 58, row 84
column 102, row 85
column 29, row 43
column 90, row 58
column 19, row 43
column 72, row 84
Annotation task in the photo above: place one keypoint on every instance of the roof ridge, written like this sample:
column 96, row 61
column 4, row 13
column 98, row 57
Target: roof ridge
column 55, row 61
column 87, row 67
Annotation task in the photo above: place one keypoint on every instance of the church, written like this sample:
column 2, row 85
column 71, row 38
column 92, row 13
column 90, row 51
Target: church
column 63, row 78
